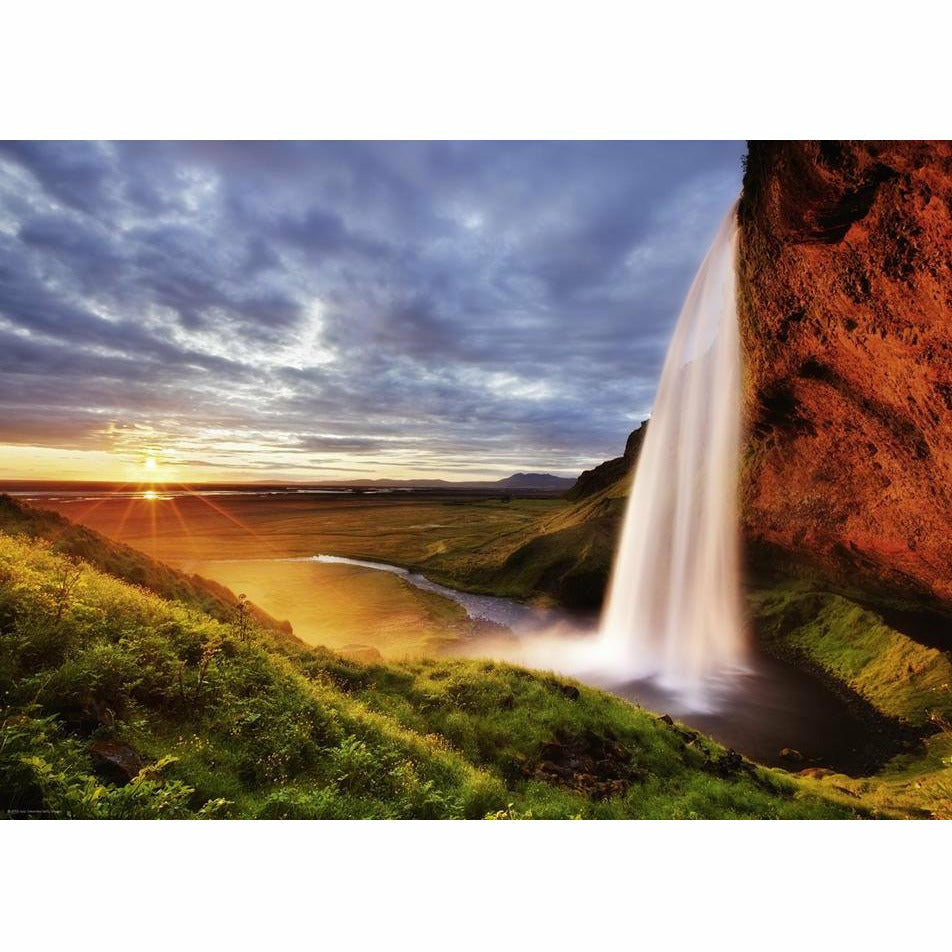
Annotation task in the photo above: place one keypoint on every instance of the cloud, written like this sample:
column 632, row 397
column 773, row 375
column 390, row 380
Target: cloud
column 407, row 307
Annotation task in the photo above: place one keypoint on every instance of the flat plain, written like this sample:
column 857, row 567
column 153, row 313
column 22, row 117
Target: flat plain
column 244, row 542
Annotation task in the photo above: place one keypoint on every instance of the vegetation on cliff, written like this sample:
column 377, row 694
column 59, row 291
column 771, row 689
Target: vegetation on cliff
column 898, row 676
column 563, row 555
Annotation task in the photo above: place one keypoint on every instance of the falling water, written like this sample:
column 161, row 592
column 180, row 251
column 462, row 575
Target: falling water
column 673, row 610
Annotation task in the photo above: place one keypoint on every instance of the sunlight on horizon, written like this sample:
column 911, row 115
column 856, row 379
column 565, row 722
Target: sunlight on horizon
column 176, row 464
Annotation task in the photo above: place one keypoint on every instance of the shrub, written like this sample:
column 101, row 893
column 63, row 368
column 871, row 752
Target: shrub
column 295, row 804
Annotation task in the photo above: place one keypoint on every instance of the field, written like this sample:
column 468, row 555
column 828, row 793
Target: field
column 377, row 619
column 241, row 540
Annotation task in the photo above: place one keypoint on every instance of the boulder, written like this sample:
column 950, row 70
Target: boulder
column 115, row 760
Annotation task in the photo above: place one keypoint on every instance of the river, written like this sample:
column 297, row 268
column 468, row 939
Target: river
column 775, row 714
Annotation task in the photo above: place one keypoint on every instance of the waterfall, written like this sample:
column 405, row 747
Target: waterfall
column 673, row 608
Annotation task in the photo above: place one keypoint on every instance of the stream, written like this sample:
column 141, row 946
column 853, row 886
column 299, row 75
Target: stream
column 500, row 611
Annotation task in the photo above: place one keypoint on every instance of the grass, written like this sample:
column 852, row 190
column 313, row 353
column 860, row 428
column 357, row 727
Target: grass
column 125, row 562
column 906, row 682
column 565, row 556
column 118, row 703
column 901, row 678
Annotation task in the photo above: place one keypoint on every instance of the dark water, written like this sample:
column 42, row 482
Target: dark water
column 778, row 707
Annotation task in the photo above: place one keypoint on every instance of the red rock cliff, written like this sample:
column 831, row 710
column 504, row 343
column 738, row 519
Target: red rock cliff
column 845, row 268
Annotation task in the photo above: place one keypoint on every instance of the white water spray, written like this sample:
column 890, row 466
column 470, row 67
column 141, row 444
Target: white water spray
column 674, row 606
column 673, row 610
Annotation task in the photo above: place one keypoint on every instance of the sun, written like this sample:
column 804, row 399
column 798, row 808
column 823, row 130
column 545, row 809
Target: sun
column 151, row 495
column 150, row 466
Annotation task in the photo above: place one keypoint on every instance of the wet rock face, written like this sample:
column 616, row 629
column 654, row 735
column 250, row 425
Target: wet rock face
column 845, row 293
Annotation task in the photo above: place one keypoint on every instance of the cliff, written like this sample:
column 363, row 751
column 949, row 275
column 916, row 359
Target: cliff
column 611, row 471
column 845, row 296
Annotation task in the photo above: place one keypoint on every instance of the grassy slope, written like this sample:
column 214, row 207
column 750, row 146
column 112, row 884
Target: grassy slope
column 564, row 555
column 913, row 785
column 899, row 677
column 124, row 562
column 905, row 681
column 225, row 725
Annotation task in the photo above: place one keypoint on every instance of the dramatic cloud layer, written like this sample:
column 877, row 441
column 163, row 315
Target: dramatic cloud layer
column 326, row 310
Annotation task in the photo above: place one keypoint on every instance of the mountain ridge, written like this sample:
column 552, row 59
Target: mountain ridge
column 515, row 481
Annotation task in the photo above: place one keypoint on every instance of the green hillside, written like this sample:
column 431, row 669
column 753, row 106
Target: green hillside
column 124, row 562
column 562, row 554
column 118, row 703
column 567, row 556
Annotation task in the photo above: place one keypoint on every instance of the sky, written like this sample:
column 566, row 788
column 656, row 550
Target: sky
column 335, row 310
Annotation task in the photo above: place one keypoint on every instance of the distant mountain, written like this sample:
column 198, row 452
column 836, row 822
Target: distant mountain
column 384, row 483
column 534, row 481
column 524, row 481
